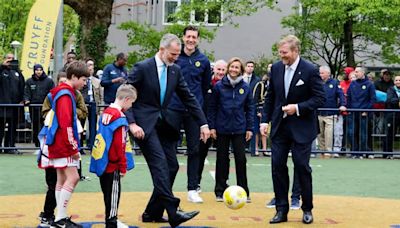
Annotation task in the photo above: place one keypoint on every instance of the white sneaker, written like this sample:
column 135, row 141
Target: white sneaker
column 121, row 224
column 193, row 196
column 371, row 156
column 336, row 155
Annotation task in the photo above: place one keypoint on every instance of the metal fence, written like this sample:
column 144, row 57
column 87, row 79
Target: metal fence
column 361, row 132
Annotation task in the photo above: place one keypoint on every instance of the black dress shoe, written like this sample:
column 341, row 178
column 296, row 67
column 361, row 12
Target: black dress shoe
column 307, row 217
column 279, row 217
column 182, row 217
column 147, row 218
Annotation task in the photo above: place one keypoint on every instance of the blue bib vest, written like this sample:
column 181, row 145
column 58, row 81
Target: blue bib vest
column 102, row 144
column 49, row 132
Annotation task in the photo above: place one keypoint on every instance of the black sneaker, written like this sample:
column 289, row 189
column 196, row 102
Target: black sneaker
column 65, row 223
column 45, row 221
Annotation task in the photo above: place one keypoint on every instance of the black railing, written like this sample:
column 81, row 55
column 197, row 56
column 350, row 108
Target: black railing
column 362, row 132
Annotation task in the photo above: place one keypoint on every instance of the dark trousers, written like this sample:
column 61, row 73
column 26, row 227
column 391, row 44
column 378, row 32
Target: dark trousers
column 11, row 134
column 296, row 188
column 203, row 152
column 111, row 187
column 392, row 124
column 37, row 123
column 222, row 165
column 92, row 119
column 160, row 155
column 192, row 132
column 50, row 202
column 282, row 143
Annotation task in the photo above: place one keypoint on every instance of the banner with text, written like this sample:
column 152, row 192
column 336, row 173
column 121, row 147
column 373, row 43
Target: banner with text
column 39, row 34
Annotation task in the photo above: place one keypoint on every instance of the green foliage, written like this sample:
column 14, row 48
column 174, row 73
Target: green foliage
column 13, row 16
column 95, row 44
column 261, row 64
column 71, row 23
column 339, row 33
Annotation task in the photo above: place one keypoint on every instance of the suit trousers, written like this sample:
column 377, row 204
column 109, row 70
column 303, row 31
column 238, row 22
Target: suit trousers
column 282, row 143
column 160, row 155
column 192, row 132
column 222, row 165
column 111, row 187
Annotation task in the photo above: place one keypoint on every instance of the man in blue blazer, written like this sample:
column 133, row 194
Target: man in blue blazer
column 295, row 93
column 154, row 127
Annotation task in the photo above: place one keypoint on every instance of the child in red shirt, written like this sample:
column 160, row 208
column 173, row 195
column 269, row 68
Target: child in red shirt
column 63, row 143
column 109, row 152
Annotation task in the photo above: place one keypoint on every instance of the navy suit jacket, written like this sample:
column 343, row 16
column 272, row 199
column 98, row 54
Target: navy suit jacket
column 306, row 90
column 147, row 108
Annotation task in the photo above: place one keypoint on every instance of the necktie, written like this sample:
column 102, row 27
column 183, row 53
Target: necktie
column 163, row 83
column 288, row 75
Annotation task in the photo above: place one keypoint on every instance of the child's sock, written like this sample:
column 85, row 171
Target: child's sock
column 62, row 205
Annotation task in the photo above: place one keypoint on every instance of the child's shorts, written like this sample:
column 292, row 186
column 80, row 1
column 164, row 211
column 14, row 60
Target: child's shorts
column 64, row 162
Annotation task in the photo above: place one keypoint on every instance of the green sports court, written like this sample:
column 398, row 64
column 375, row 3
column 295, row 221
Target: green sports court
column 347, row 193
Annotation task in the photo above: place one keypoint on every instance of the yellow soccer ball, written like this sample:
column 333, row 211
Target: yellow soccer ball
column 235, row 197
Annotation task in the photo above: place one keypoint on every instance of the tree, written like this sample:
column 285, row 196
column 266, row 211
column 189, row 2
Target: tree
column 347, row 33
column 13, row 16
column 145, row 38
column 95, row 18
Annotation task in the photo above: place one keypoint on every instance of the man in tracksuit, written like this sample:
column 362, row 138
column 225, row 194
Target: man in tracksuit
column 196, row 70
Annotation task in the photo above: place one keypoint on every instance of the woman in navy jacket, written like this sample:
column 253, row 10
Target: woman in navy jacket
column 231, row 121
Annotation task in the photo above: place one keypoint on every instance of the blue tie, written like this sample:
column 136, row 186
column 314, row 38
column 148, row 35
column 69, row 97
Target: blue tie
column 163, row 83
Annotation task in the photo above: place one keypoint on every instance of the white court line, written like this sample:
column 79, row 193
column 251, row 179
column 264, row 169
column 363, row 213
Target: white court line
column 212, row 174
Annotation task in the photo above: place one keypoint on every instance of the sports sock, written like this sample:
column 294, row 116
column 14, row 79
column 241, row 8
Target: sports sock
column 62, row 206
column 57, row 192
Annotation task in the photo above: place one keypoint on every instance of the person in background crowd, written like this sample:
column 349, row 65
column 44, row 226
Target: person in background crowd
column 259, row 93
column 230, row 115
column 360, row 95
column 36, row 89
column 252, row 79
column 114, row 74
column 92, row 92
column 341, row 122
column 196, row 70
column 71, row 56
column 12, row 84
column 326, row 119
column 392, row 119
column 219, row 71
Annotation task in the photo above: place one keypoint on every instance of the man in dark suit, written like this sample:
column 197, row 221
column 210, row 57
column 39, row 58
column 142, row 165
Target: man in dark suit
column 295, row 93
column 155, row 129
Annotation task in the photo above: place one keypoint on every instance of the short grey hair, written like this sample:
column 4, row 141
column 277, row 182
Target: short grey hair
column 325, row 68
column 361, row 69
column 220, row 62
column 168, row 39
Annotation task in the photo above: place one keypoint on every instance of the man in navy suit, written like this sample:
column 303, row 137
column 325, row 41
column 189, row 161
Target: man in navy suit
column 295, row 93
column 155, row 129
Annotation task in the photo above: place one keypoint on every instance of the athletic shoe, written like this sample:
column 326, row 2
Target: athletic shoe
column 371, row 156
column 219, row 199
column 193, row 196
column 295, row 204
column 65, row 223
column 336, row 155
column 121, row 224
column 44, row 221
column 248, row 200
column 271, row 203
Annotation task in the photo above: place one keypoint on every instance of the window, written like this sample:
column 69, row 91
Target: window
column 210, row 15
